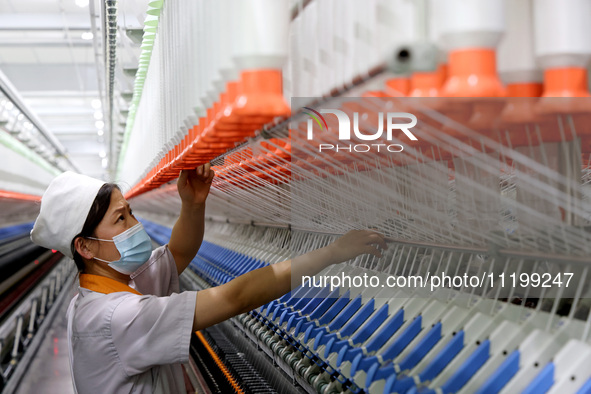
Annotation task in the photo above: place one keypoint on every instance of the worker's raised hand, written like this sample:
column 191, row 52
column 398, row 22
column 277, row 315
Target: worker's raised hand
column 357, row 242
column 193, row 185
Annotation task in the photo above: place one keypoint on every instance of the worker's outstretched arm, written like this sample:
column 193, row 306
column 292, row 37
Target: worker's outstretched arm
column 263, row 285
column 187, row 233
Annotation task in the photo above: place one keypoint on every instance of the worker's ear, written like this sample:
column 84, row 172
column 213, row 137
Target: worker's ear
column 83, row 248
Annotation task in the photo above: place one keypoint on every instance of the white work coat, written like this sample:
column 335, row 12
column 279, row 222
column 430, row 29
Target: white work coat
column 123, row 342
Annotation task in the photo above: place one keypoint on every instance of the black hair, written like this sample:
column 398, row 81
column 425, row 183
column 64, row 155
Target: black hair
column 97, row 211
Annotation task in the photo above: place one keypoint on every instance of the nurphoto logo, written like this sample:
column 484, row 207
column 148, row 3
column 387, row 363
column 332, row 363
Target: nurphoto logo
column 344, row 130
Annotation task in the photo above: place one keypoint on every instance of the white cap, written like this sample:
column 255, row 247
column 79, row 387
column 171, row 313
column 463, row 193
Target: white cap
column 64, row 208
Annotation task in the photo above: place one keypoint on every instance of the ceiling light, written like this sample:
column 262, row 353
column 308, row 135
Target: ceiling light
column 96, row 103
column 82, row 3
column 105, row 162
column 100, row 132
column 98, row 115
column 102, row 154
column 87, row 35
column 99, row 124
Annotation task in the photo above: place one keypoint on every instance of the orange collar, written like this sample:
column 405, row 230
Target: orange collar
column 102, row 284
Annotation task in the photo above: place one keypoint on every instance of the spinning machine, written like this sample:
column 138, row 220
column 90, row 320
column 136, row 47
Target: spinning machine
column 485, row 285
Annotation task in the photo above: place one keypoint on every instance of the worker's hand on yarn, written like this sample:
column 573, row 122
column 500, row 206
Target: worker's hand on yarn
column 357, row 242
column 193, row 185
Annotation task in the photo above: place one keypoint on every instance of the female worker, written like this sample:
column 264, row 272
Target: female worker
column 129, row 328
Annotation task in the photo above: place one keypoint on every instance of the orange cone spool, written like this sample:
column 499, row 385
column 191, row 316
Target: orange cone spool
column 473, row 73
column 566, row 93
column 397, row 87
column 425, row 84
column 261, row 98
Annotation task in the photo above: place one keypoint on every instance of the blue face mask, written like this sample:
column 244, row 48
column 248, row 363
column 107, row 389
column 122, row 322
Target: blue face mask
column 134, row 246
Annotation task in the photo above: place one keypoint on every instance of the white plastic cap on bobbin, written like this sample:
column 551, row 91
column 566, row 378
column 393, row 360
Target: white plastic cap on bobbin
column 562, row 33
column 227, row 34
column 434, row 34
column 563, row 49
column 433, row 19
column 201, row 48
column 517, row 65
column 211, row 52
column 471, row 31
column 264, row 28
column 326, row 51
column 342, row 44
column 218, row 83
column 397, row 24
column 427, row 83
column 471, row 24
column 516, row 57
column 294, row 65
column 364, row 48
column 191, row 8
column 308, row 47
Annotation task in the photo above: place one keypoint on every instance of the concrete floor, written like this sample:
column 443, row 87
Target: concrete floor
column 50, row 370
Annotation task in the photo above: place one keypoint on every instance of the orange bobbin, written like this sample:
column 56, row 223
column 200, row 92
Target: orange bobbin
column 214, row 134
column 397, row 87
column 473, row 73
column 425, row 84
column 187, row 142
column 226, row 114
column 442, row 73
column 566, row 82
column 261, row 97
column 526, row 89
column 566, row 93
column 227, row 119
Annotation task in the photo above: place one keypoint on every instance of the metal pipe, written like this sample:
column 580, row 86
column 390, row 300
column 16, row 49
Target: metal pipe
column 45, row 43
column 12, row 94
